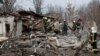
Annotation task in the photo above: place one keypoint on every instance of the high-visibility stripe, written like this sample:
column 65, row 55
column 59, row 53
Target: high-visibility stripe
column 94, row 49
column 60, row 30
column 45, row 17
column 92, row 35
column 93, row 39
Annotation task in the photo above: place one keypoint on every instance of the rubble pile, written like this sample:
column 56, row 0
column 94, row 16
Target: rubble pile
column 32, row 34
column 41, row 45
column 68, row 40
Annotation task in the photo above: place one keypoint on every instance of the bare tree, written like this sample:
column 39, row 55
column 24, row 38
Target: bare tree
column 94, row 11
column 55, row 12
column 70, row 11
column 8, row 6
column 38, row 6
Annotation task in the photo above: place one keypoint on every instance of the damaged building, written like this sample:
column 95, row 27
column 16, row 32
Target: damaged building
column 22, row 21
column 22, row 34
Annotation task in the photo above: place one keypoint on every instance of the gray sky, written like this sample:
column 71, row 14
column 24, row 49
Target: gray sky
column 26, row 4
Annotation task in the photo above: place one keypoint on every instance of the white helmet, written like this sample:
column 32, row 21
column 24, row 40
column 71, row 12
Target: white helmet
column 48, row 20
column 45, row 17
column 74, row 21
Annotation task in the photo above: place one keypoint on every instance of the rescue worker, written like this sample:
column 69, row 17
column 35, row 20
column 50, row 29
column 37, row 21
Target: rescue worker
column 46, row 23
column 49, row 28
column 76, row 28
column 65, row 28
column 79, row 28
column 93, row 36
column 79, row 24
column 74, row 25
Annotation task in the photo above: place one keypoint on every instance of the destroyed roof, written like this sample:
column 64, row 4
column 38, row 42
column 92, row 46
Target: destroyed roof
column 26, row 13
column 31, row 13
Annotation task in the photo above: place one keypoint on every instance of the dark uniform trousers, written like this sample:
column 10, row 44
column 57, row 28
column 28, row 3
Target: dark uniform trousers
column 93, row 38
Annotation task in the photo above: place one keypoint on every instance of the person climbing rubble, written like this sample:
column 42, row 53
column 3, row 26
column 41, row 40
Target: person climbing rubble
column 93, row 35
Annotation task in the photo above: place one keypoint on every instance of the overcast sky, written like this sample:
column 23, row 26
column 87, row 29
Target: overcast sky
column 26, row 4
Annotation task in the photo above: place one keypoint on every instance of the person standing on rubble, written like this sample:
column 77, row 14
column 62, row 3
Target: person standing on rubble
column 46, row 23
column 93, row 35
column 79, row 24
column 65, row 28
column 74, row 25
column 79, row 28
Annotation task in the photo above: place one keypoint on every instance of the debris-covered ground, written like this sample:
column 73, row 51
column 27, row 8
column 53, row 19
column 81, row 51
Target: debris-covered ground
column 46, row 45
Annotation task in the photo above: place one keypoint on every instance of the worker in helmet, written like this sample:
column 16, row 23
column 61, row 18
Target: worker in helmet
column 79, row 24
column 46, row 23
column 93, row 36
column 49, row 27
column 74, row 25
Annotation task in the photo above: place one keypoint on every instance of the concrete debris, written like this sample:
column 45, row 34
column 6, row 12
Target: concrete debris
column 67, row 41
column 31, row 34
column 3, row 39
column 35, row 43
column 41, row 44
